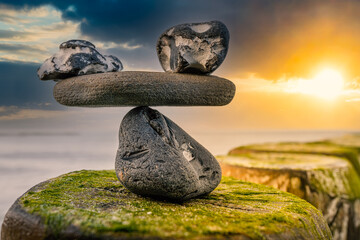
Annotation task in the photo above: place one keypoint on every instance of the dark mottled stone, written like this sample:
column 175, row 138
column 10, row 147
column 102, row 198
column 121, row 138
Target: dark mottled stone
column 144, row 89
column 197, row 48
column 157, row 158
column 77, row 57
column 76, row 43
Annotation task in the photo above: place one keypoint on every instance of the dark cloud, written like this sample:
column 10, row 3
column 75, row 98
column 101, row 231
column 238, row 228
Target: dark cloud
column 139, row 22
column 6, row 111
column 269, row 38
column 20, row 86
column 18, row 48
column 140, row 58
column 9, row 34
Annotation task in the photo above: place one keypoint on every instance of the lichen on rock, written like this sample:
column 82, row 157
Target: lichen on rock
column 321, row 147
column 93, row 204
column 333, row 175
column 328, row 182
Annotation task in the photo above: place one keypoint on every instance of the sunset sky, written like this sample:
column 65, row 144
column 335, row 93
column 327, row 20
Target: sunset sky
column 295, row 63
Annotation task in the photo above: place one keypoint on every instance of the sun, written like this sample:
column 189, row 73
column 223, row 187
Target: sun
column 327, row 84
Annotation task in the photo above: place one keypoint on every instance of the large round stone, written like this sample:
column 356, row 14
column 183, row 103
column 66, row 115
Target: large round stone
column 94, row 205
column 157, row 158
column 144, row 89
column 197, row 48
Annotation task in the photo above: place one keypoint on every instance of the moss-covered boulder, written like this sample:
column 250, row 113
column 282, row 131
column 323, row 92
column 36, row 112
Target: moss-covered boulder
column 329, row 183
column 93, row 205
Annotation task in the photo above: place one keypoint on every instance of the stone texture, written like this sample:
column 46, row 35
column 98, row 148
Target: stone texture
column 144, row 89
column 94, row 205
column 321, row 147
column 330, row 183
column 197, row 48
column 77, row 57
column 157, row 158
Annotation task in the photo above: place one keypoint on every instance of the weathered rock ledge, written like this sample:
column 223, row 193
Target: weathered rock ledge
column 93, row 205
column 322, row 173
column 327, row 148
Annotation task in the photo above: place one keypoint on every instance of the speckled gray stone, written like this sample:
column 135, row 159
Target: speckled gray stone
column 197, row 48
column 157, row 158
column 144, row 89
column 77, row 57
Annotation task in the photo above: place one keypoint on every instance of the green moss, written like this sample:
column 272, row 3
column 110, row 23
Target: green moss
column 348, row 140
column 332, row 175
column 275, row 160
column 95, row 202
column 322, row 148
column 342, row 182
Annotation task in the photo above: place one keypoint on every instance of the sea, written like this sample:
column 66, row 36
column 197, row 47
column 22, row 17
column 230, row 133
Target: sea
column 28, row 158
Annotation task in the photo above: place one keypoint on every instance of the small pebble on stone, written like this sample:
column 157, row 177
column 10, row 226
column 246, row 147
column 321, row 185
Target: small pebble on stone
column 197, row 48
column 77, row 57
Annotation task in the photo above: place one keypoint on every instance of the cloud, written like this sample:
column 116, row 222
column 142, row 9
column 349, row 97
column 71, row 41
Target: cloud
column 43, row 33
column 113, row 45
column 20, row 86
column 32, row 34
column 354, row 84
column 58, row 27
column 20, row 48
column 7, row 110
column 15, row 113
column 271, row 40
column 350, row 92
column 12, row 35
column 25, row 15
column 292, row 38
column 132, row 25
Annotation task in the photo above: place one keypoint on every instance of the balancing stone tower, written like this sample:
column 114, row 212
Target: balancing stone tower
column 156, row 157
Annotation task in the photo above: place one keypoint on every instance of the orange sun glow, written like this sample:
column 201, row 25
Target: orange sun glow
column 327, row 84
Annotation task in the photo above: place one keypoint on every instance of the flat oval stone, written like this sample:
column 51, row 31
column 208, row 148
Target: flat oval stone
column 136, row 88
column 157, row 158
column 197, row 48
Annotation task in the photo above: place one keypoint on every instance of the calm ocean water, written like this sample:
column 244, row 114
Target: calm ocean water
column 27, row 158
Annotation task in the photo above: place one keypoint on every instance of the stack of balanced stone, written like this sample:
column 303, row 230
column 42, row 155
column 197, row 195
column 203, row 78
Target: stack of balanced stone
column 156, row 157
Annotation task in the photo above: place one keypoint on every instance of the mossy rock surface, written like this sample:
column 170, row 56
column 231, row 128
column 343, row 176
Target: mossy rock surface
column 332, row 175
column 348, row 140
column 93, row 205
column 329, row 183
column 323, row 148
